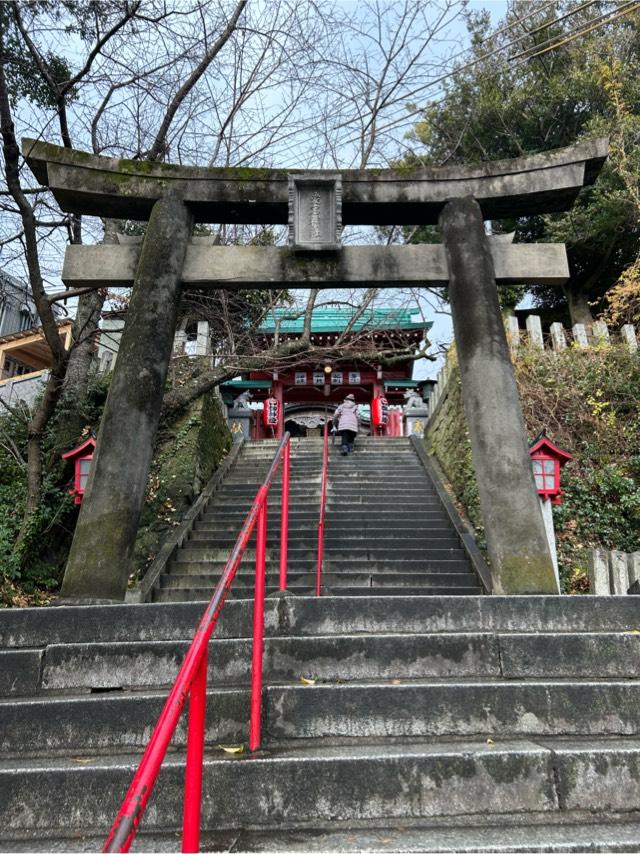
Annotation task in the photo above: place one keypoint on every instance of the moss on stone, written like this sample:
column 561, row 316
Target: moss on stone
column 188, row 452
column 525, row 574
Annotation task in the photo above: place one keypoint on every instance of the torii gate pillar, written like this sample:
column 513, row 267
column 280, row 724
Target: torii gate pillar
column 105, row 535
column 516, row 540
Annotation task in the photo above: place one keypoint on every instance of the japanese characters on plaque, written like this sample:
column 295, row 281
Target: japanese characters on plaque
column 337, row 378
column 315, row 211
column 318, row 378
column 301, row 378
column 354, row 377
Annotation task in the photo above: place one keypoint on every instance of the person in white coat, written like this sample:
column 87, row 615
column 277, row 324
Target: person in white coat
column 347, row 419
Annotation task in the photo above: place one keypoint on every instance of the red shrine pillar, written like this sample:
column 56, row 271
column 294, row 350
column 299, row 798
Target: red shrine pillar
column 278, row 393
column 378, row 391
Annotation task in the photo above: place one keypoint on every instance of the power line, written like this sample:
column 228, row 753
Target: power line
column 585, row 30
column 579, row 31
column 504, row 29
column 548, row 24
column 480, row 59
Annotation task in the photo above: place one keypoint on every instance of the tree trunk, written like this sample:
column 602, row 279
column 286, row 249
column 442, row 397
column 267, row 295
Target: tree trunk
column 84, row 335
column 85, row 330
column 35, row 434
column 579, row 310
column 47, row 405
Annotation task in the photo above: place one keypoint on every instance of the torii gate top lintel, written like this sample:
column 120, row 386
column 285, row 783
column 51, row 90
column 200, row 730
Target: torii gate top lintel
column 89, row 184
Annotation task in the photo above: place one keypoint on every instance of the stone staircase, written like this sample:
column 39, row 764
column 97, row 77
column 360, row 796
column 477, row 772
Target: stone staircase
column 426, row 723
column 386, row 528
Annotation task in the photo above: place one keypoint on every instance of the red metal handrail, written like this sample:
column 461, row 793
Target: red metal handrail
column 191, row 682
column 323, row 504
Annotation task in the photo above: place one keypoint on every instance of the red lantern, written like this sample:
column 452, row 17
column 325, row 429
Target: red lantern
column 547, row 460
column 379, row 412
column 81, row 457
column 271, row 412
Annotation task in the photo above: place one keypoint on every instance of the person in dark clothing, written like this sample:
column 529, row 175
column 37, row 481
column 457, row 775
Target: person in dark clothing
column 347, row 418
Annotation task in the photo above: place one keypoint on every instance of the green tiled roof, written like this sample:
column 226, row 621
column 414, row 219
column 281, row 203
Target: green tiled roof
column 247, row 384
column 401, row 383
column 336, row 319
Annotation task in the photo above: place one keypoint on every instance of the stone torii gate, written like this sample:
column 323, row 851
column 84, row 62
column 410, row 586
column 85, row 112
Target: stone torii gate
column 316, row 205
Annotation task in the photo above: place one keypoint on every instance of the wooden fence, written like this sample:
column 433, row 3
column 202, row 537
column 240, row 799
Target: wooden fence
column 557, row 340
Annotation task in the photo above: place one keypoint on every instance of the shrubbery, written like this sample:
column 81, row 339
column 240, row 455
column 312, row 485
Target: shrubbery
column 189, row 449
column 31, row 565
column 588, row 401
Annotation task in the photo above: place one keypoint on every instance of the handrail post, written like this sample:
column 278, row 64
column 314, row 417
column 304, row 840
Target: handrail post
column 323, row 501
column 258, row 628
column 284, row 518
column 195, row 753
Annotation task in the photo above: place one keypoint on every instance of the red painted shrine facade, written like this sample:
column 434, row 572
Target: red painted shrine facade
column 301, row 398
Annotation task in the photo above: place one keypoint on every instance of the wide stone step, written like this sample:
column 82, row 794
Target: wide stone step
column 445, row 590
column 346, row 539
column 325, row 783
column 32, row 629
column 504, row 835
column 335, row 529
column 428, row 708
column 373, row 484
column 513, row 656
column 240, row 593
column 516, row 656
column 330, row 564
column 382, row 493
column 372, row 517
column 509, row 836
column 340, row 467
column 449, row 708
column 175, row 580
column 194, row 551
column 151, row 664
column 108, row 722
column 377, row 490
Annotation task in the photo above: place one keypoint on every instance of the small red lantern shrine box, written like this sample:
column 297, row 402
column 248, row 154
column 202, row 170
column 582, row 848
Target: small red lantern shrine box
column 547, row 461
column 81, row 458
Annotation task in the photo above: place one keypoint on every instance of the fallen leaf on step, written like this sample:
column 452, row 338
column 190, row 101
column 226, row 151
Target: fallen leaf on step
column 232, row 748
column 635, row 631
column 396, row 681
column 81, row 760
column 490, row 741
column 306, row 681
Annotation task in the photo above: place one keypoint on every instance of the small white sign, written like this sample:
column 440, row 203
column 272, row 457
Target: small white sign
column 318, row 378
column 336, row 378
column 354, row 377
column 301, row 378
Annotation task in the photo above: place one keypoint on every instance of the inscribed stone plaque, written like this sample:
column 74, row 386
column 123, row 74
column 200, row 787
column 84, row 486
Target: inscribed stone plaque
column 315, row 211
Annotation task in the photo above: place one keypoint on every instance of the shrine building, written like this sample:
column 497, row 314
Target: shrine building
column 307, row 393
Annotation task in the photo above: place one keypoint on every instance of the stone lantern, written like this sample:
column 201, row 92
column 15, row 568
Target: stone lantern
column 547, row 460
column 81, row 458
